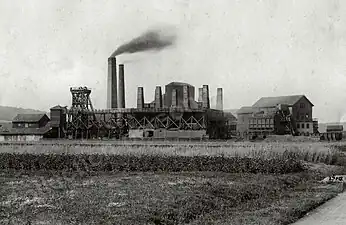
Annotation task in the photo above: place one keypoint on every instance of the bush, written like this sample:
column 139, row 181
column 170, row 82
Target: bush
column 101, row 162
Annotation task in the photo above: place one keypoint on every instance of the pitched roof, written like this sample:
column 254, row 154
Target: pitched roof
column 246, row 110
column 274, row 101
column 229, row 115
column 59, row 107
column 28, row 117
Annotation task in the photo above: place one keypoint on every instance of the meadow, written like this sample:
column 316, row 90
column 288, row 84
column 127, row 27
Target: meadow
column 211, row 183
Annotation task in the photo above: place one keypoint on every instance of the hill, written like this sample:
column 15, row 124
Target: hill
column 7, row 113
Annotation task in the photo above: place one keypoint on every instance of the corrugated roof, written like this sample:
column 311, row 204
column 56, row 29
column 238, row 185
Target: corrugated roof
column 28, row 117
column 274, row 101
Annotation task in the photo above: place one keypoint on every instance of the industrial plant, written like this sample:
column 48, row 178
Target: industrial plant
column 174, row 113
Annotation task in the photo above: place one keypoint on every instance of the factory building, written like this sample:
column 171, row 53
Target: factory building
column 178, row 104
column 173, row 114
column 26, row 127
column 299, row 109
column 177, row 95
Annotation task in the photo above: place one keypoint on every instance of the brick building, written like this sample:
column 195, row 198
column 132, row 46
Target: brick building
column 299, row 105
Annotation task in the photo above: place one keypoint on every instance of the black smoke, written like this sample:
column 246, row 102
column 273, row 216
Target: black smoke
column 153, row 39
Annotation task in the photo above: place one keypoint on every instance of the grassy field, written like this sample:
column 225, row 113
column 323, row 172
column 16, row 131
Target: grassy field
column 247, row 183
column 168, row 148
column 157, row 198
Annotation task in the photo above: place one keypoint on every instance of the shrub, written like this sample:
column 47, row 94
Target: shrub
column 100, row 162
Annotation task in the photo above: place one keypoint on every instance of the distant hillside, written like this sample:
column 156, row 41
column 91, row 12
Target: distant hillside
column 7, row 113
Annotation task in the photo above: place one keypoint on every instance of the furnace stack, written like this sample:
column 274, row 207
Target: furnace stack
column 115, row 94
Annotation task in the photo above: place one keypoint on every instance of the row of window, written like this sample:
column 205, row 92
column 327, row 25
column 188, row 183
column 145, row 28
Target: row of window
column 302, row 125
column 26, row 125
column 261, row 121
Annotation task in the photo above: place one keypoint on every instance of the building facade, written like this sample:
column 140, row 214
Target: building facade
column 26, row 127
column 30, row 121
column 300, row 108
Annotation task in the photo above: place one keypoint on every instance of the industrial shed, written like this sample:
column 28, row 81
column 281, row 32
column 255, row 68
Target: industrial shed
column 26, row 127
column 23, row 134
column 300, row 108
column 30, row 121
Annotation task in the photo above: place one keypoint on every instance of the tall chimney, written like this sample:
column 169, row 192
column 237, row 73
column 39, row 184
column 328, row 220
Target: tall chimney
column 158, row 97
column 200, row 94
column 219, row 99
column 121, row 102
column 112, row 96
column 206, row 103
column 186, row 102
column 140, row 98
column 174, row 98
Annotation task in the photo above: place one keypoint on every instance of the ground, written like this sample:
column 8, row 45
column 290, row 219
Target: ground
column 72, row 188
column 157, row 198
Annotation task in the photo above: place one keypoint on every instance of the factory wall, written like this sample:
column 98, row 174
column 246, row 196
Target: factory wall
column 31, row 137
column 193, row 134
column 243, row 122
column 163, row 133
column 302, row 110
column 305, row 127
column 180, row 94
column 28, row 124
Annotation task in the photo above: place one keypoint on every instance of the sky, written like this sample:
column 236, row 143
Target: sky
column 249, row 48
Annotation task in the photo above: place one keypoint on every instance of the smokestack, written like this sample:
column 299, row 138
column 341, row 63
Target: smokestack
column 200, row 94
column 186, row 102
column 140, row 98
column 121, row 102
column 219, row 99
column 112, row 101
column 174, row 98
column 158, row 97
column 206, row 103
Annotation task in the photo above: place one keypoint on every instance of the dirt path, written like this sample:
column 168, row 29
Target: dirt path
column 330, row 213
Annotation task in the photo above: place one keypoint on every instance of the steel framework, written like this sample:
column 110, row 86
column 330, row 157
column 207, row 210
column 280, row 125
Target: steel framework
column 85, row 122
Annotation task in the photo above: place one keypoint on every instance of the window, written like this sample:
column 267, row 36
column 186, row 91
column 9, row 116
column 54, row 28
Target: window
column 307, row 126
column 303, row 125
column 302, row 105
column 298, row 125
column 26, row 125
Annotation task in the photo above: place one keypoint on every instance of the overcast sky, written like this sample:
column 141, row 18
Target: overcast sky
column 249, row 48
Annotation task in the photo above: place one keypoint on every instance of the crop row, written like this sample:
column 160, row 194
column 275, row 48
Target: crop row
column 103, row 162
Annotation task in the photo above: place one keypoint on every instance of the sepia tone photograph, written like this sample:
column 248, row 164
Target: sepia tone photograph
column 172, row 112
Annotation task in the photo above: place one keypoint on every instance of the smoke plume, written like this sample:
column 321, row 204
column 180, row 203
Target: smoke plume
column 153, row 39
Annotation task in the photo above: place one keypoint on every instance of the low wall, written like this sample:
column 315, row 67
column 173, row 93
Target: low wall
column 20, row 137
